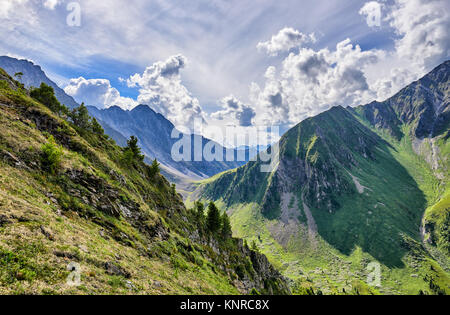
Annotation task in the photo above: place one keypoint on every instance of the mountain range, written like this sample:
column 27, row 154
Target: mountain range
column 154, row 133
column 81, row 215
column 354, row 186
column 33, row 76
column 152, row 129
column 357, row 193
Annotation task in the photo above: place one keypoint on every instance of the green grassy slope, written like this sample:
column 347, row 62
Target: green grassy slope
column 351, row 187
column 126, row 227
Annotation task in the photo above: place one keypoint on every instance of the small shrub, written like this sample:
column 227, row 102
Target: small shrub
column 51, row 156
column 254, row 292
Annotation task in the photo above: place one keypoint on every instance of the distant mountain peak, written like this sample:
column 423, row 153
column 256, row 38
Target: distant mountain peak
column 154, row 133
column 33, row 75
column 345, row 175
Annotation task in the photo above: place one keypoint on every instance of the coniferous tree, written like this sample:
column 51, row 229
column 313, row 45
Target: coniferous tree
column 200, row 210
column 154, row 168
column 213, row 219
column 46, row 95
column 132, row 153
column 80, row 117
column 134, row 148
column 96, row 127
column 226, row 226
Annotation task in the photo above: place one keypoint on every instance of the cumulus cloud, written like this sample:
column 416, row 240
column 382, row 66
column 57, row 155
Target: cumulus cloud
column 422, row 42
column 397, row 79
column 161, row 88
column 424, row 29
column 236, row 111
column 97, row 92
column 271, row 101
column 285, row 40
column 310, row 82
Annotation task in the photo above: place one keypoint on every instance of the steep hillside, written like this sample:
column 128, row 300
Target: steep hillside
column 424, row 109
column 33, row 75
column 351, row 187
column 72, row 203
column 153, row 130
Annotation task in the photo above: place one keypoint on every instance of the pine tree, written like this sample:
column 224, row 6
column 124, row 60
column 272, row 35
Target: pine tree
column 80, row 117
column 213, row 219
column 226, row 226
column 154, row 168
column 46, row 95
column 134, row 148
column 199, row 210
column 97, row 128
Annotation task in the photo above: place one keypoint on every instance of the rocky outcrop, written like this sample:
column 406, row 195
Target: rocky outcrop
column 249, row 269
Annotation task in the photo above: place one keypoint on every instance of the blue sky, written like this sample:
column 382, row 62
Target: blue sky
column 220, row 62
column 229, row 50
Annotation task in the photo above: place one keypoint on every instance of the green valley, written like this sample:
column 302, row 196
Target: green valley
column 354, row 186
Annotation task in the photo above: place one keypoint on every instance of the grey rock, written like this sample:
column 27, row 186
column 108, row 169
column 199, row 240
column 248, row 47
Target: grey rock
column 116, row 270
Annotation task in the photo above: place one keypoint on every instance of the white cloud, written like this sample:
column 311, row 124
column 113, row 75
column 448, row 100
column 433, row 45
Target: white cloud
column 285, row 40
column 219, row 38
column 10, row 7
column 423, row 41
column 397, row 79
column 424, row 29
column 97, row 92
column 272, row 107
column 312, row 81
column 51, row 4
column 161, row 88
column 235, row 111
